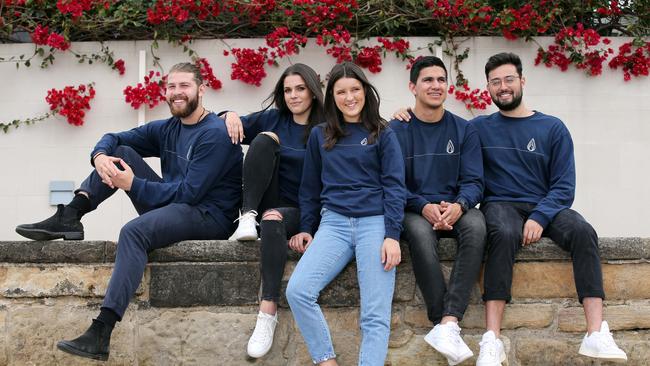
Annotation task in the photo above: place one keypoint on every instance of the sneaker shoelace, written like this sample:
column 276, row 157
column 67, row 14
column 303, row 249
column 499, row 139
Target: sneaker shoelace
column 605, row 340
column 489, row 348
column 252, row 214
column 263, row 332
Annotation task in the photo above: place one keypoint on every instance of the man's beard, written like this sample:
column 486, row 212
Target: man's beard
column 516, row 101
column 190, row 107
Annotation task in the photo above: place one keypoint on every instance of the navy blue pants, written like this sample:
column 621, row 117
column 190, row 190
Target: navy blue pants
column 154, row 228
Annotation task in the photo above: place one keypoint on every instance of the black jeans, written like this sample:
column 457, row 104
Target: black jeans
column 261, row 193
column 441, row 300
column 154, row 228
column 569, row 230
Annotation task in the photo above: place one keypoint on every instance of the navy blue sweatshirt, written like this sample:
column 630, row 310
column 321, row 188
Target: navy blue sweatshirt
column 200, row 166
column 354, row 178
column 528, row 160
column 292, row 147
column 443, row 161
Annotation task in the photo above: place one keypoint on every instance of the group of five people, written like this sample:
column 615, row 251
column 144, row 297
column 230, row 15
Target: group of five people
column 336, row 182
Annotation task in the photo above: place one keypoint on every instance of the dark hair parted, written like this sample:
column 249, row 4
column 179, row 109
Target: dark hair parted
column 424, row 62
column 500, row 59
column 370, row 117
column 312, row 82
column 189, row 68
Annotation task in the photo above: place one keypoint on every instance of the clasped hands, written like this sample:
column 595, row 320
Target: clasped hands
column 107, row 168
column 442, row 216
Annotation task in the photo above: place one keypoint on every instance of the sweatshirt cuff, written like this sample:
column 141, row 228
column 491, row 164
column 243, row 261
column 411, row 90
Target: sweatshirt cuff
column 137, row 186
column 539, row 218
column 393, row 233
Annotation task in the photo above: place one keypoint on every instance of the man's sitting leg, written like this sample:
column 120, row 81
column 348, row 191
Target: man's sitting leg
column 66, row 222
column 574, row 234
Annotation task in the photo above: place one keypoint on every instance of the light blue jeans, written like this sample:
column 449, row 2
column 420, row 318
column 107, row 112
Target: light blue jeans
column 340, row 239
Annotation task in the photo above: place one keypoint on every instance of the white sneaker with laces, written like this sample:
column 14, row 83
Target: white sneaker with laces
column 492, row 351
column 446, row 339
column 246, row 230
column 262, row 339
column 601, row 345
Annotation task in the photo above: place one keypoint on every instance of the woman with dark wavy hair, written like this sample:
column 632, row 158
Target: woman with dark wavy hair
column 271, row 176
column 353, row 183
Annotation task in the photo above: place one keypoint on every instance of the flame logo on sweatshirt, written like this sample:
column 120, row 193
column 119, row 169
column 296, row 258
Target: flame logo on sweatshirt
column 450, row 147
column 531, row 145
column 364, row 142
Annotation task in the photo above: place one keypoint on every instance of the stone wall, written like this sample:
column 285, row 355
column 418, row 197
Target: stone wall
column 197, row 304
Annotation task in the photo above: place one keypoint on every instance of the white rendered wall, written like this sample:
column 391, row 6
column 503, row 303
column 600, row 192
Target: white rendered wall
column 607, row 117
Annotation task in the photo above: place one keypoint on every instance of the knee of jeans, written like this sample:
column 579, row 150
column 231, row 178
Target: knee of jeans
column 296, row 291
column 582, row 229
column 122, row 151
column 272, row 215
column 265, row 139
column 504, row 236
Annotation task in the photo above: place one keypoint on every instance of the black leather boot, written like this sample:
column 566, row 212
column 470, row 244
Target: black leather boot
column 63, row 224
column 94, row 343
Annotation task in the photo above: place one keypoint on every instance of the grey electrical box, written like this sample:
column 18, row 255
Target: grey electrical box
column 61, row 192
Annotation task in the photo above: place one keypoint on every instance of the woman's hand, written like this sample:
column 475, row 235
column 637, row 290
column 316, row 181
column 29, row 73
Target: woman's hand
column 391, row 254
column 300, row 242
column 235, row 127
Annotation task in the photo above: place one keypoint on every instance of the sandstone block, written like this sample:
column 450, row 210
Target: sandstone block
column 3, row 337
column 204, row 284
column 619, row 317
column 531, row 316
column 208, row 251
column 54, row 280
column 33, row 331
column 52, row 251
column 555, row 280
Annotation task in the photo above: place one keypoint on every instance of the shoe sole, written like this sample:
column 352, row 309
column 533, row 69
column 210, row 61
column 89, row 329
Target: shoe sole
column 63, row 346
column 614, row 358
column 450, row 359
column 44, row 235
column 249, row 237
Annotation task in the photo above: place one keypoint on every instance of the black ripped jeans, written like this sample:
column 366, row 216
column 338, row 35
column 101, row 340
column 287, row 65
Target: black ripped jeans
column 261, row 193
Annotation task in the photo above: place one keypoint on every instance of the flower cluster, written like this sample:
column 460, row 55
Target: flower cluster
column 281, row 48
column 150, row 93
column 322, row 14
column 527, row 20
column 474, row 99
column 249, row 65
column 633, row 61
column 576, row 45
column 208, row 75
column 338, row 39
column 369, row 58
column 119, row 66
column 42, row 36
column 74, row 7
column 613, row 9
column 402, row 48
column 180, row 11
column 465, row 16
column 71, row 102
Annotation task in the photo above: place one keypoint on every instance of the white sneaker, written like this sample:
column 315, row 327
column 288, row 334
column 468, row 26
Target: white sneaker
column 601, row 345
column 492, row 351
column 247, row 227
column 262, row 339
column 445, row 338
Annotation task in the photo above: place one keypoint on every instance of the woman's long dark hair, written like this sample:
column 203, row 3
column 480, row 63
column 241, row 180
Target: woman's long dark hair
column 370, row 117
column 312, row 82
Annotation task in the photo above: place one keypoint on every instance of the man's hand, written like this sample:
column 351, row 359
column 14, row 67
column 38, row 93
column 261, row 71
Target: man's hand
column 105, row 167
column 391, row 254
column 451, row 212
column 300, row 242
column 234, row 127
column 432, row 213
column 124, row 178
column 402, row 114
column 532, row 232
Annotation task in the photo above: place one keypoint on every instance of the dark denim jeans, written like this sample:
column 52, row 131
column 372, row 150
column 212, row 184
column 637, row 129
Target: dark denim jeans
column 569, row 230
column 423, row 243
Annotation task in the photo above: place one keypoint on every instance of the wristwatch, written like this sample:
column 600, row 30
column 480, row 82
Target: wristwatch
column 463, row 205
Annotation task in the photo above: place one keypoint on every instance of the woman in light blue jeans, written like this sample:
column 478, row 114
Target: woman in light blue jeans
column 353, row 181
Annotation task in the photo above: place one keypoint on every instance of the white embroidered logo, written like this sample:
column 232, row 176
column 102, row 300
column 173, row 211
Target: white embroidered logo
column 364, row 142
column 531, row 145
column 450, row 147
column 189, row 153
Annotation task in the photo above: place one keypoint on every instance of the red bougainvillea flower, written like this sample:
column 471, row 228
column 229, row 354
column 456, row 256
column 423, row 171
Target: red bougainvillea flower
column 119, row 66
column 150, row 93
column 249, row 66
column 208, row 75
column 369, row 58
column 71, row 102
column 42, row 36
